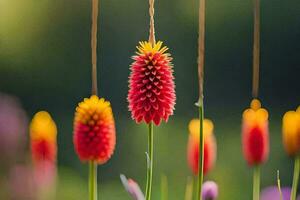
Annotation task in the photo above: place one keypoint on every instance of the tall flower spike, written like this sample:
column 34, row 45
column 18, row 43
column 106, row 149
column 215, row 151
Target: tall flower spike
column 43, row 133
column 210, row 147
column 94, row 130
column 151, row 94
column 291, row 132
column 255, row 134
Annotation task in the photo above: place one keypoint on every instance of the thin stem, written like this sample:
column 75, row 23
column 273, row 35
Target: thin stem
column 201, row 151
column 150, row 163
column 256, row 49
column 201, row 46
column 92, row 180
column 295, row 178
column 152, row 29
column 95, row 4
column 256, row 182
column 279, row 185
column 201, row 55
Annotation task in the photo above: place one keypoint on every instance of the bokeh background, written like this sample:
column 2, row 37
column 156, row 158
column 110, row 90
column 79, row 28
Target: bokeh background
column 45, row 62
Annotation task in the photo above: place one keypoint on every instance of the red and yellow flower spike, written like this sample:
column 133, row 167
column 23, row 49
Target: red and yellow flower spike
column 94, row 130
column 255, row 134
column 43, row 133
column 151, row 93
column 210, row 147
column 291, row 132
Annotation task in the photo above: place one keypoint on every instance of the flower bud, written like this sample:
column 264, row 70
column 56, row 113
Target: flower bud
column 255, row 134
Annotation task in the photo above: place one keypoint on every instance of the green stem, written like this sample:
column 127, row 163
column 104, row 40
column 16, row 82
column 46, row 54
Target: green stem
column 256, row 182
column 150, row 162
column 296, row 178
column 92, row 180
column 201, row 151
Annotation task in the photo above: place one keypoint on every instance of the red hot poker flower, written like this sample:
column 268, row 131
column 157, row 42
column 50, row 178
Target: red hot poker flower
column 151, row 94
column 94, row 130
column 255, row 134
column 210, row 147
column 43, row 142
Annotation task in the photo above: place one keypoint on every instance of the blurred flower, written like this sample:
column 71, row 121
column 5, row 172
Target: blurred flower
column 132, row 188
column 209, row 190
column 43, row 133
column 151, row 84
column 21, row 183
column 210, row 147
column 255, row 134
column 94, row 130
column 291, row 132
column 272, row 193
column 13, row 122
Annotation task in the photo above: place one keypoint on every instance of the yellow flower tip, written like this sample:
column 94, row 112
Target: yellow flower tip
column 255, row 114
column 298, row 109
column 194, row 127
column 291, row 132
column 146, row 47
column 42, row 126
column 255, row 104
column 93, row 108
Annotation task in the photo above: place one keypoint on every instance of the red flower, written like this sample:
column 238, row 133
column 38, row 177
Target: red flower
column 94, row 130
column 255, row 134
column 210, row 147
column 151, row 94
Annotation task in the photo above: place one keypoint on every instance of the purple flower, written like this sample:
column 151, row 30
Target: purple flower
column 132, row 188
column 13, row 126
column 209, row 190
column 272, row 193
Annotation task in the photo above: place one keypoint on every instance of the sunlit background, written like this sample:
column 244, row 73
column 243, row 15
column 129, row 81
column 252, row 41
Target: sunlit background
column 45, row 61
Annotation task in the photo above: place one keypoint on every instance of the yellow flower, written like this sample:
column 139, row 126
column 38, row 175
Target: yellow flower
column 255, row 115
column 291, row 132
column 43, row 127
column 194, row 127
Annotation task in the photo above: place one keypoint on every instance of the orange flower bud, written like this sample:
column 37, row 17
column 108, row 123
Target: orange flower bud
column 255, row 133
column 43, row 133
column 291, row 132
column 210, row 147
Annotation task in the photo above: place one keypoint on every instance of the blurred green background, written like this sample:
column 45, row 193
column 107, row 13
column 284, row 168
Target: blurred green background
column 45, row 61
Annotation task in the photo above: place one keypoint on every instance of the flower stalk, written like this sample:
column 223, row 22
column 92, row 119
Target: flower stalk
column 201, row 153
column 295, row 178
column 201, row 55
column 92, row 180
column 256, row 49
column 256, row 182
column 150, row 162
column 95, row 5
column 150, row 125
column 92, row 164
